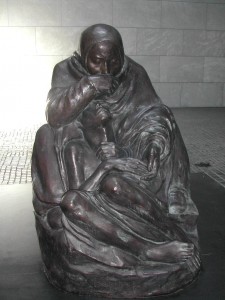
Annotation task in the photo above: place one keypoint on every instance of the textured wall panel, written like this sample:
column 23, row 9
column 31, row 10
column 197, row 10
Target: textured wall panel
column 183, row 15
column 34, row 12
column 129, row 40
column 17, row 39
column 198, row 1
column 214, row 69
column 57, row 40
column 3, row 13
column 202, row 94
column 204, row 43
column 132, row 13
column 159, row 42
column 216, row 16
column 170, row 93
column 86, row 12
column 224, row 95
column 181, row 69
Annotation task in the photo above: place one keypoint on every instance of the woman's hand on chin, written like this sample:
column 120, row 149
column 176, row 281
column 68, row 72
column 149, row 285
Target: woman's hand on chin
column 103, row 84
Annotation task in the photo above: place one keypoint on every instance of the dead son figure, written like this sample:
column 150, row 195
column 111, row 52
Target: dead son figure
column 114, row 215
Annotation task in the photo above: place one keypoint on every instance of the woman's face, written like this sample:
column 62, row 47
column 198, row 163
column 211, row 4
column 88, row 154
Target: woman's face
column 104, row 58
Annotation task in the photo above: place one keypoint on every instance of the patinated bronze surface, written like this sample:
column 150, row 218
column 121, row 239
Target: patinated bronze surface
column 114, row 215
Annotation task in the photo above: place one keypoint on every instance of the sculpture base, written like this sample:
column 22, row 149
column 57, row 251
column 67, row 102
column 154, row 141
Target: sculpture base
column 71, row 271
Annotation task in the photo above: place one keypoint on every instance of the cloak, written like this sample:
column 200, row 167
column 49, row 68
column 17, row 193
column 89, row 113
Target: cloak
column 78, row 256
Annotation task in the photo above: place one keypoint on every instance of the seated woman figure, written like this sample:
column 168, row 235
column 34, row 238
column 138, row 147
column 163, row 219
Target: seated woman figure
column 114, row 214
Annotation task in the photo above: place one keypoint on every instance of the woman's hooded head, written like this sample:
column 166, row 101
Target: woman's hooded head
column 97, row 34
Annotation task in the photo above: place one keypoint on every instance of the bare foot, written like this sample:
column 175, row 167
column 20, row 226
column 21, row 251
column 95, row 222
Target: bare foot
column 171, row 252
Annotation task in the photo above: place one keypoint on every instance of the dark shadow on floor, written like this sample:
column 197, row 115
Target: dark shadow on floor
column 21, row 275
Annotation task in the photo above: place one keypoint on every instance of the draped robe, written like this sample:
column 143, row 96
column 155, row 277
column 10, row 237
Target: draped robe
column 78, row 259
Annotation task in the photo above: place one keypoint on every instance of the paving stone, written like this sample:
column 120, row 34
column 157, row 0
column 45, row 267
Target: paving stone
column 15, row 155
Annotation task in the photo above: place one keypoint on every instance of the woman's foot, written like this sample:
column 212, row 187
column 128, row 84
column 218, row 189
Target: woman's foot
column 171, row 252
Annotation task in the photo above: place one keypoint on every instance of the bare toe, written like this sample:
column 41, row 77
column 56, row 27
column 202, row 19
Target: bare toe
column 171, row 252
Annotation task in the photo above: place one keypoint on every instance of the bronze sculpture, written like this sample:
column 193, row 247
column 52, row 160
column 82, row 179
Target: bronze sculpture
column 114, row 215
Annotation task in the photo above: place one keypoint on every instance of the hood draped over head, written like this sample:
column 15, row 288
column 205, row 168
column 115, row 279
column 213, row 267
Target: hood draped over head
column 96, row 34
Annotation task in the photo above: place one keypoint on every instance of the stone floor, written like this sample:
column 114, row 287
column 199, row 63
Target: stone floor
column 203, row 130
column 15, row 155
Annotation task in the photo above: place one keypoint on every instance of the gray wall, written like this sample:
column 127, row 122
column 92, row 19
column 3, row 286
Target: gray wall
column 181, row 44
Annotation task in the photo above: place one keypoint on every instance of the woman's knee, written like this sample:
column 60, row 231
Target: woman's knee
column 73, row 206
column 44, row 136
column 112, row 184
